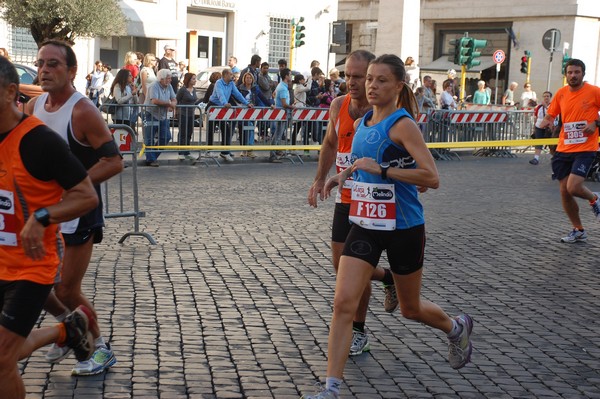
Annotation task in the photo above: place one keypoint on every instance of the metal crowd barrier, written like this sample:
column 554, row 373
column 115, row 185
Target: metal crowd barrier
column 222, row 129
column 126, row 139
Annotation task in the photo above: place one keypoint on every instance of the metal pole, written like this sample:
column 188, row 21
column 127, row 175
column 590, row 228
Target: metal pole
column 496, row 89
column 551, row 56
column 463, row 79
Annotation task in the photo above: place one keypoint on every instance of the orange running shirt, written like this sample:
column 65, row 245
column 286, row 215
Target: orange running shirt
column 576, row 109
column 20, row 195
column 344, row 128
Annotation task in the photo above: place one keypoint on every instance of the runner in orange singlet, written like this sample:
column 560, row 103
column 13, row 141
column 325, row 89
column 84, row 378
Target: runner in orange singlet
column 41, row 185
column 336, row 148
column 578, row 105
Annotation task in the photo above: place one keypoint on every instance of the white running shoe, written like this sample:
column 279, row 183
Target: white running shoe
column 360, row 343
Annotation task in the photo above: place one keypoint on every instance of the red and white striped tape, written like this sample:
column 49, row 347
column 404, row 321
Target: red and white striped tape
column 422, row 118
column 246, row 114
column 303, row 114
column 479, row 117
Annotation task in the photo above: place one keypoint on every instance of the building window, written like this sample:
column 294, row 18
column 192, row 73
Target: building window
column 23, row 47
column 279, row 39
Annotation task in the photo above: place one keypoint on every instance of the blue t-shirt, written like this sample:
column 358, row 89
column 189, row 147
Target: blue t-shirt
column 374, row 142
column 282, row 91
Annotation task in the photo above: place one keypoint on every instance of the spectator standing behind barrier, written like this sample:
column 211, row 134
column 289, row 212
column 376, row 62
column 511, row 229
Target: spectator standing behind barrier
column 389, row 154
column 168, row 62
column 266, row 86
column 577, row 105
column 253, row 95
column 124, row 92
column 282, row 101
column 412, row 73
column 181, row 71
column 334, row 75
column 447, row 98
column 42, row 184
column 538, row 133
column 186, row 101
column 481, row 96
column 528, row 97
column 336, row 150
column 81, row 125
column 224, row 90
column 95, row 80
column 147, row 76
column 430, row 101
column 108, row 80
column 327, row 94
column 509, row 95
column 130, row 63
column 210, row 130
column 159, row 101
column 299, row 101
column 4, row 53
column 253, row 68
column 232, row 63
column 420, row 97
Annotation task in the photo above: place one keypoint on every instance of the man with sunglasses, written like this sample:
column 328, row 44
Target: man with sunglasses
column 41, row 184
column 80, row 124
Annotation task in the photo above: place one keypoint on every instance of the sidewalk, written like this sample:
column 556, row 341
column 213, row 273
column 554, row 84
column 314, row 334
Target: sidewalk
column 235, row 300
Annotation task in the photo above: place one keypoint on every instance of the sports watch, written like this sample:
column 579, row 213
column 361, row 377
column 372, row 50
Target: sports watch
column 384, row 168
column 42, row 216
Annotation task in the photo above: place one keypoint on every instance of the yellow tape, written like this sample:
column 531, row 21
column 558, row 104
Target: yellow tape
column 458, row 144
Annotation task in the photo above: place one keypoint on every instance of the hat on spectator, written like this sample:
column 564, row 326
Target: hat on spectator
column 169, row 47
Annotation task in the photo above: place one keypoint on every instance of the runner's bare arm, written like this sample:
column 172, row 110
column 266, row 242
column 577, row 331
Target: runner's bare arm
column 327, row 154
column 91, row 129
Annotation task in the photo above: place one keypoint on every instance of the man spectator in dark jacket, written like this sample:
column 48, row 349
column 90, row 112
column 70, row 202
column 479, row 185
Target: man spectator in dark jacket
column 253, row 68
column 168, row 62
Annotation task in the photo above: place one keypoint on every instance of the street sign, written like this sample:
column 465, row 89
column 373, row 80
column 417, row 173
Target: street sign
column 499, row 56
column 551, row 39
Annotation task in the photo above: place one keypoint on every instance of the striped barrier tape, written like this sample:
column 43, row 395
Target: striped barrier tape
column 422, row 118
column 479, row 117
column 309, row 114
column 246, row 114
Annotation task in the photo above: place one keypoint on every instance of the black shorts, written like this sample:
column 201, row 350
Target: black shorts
column 577, row 163
column 21, row 302
column 341, row 224
column 83, row 236
column 405, row 248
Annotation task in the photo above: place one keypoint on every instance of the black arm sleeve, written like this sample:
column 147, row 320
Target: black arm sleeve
column 47, row 157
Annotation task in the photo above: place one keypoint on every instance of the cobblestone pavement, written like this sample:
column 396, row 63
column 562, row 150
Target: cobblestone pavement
column 235, row 299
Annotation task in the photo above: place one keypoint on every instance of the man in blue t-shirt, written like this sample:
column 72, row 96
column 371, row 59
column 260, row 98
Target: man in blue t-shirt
column 282, row 100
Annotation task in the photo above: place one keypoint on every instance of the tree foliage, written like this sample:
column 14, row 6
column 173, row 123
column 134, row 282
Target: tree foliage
column 65, row 19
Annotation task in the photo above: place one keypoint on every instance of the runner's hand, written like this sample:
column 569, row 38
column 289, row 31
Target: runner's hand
column 32, row 239
column 315, row 189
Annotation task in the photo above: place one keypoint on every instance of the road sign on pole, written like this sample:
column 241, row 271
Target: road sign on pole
column 498, row 58
column 550, row 42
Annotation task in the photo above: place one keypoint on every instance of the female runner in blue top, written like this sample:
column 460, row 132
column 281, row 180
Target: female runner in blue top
column 391, row 164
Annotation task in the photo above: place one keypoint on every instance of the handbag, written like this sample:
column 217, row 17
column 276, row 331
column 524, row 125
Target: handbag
column 109, row 106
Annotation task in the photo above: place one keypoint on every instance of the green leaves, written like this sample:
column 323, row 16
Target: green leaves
column 65, row 19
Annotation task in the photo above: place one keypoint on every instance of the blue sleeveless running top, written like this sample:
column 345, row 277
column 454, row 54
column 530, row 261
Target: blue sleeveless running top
column 374, row 142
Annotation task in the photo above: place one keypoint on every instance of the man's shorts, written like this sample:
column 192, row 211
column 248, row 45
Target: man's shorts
column 341, row 224
column 83, row 236
column 21, row 302
column 405, row 248
column 577, row 163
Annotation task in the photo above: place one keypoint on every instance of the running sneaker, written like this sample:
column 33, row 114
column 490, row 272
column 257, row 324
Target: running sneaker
column 460, row 347
column 596, row 206
column 534, row 161
column 79, row 338
column 575, row 236
column 390, row 303
column 227, row 157
column 360, row 343
column 57, row 353
column 324, row 394
column 102, row 359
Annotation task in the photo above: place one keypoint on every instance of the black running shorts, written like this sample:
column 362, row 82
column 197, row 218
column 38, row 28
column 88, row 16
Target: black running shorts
column 21, row 302
column 341, row 224
column 405, row 248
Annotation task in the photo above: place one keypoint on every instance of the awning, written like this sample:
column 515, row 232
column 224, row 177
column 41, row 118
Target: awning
column 442, row 64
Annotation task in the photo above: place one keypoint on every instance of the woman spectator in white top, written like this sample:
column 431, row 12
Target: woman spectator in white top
column 447, row 99
column 124, row 92
column 528, row 98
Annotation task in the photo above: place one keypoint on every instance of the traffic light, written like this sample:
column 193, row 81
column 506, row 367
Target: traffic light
column 460, row 50
column 565, row 59
column 297, row 32
column 474, row 46
column 525, row 61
